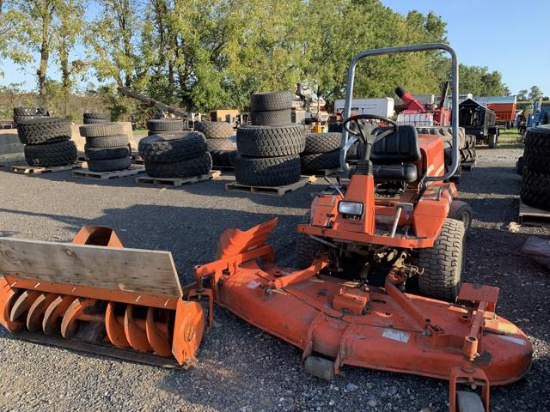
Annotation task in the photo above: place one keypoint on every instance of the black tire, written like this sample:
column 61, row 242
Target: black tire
column 462, row 212
column 171, row 135
column 492, row 141
column 154, row 149
column 215, row 130
column 52, row 154
column 196, row 166
column 322, row 142
column 264, row 102
column 271, row 141
column 106, row 153
column 535, row 188
column 267, row 171
column 306, row 247
column 42, row 130
column 104, row 142
column 95, row 118
column 164, row 125
column 442, row 263
column 470, row 141
column 468, row 155
column 30, row 111
column 223, row 158
column 271, row 118
column 538, row 136
column 109, row 165
column 320, row 161
column 220, row 144
column 101, row 129
column 537, row 149
column 520, row 165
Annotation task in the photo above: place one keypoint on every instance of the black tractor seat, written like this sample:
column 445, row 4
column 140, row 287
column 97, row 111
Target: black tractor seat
column 394, row 156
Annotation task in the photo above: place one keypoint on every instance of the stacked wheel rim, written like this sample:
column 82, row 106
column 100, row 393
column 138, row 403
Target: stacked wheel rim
column 107, row 149
column 535, row 184
column 269, row 149
column 169, row 151
column 47, row 141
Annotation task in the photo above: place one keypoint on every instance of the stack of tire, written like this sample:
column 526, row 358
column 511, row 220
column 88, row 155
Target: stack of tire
column 269, row 149
column 107, row 149
column 220, row 142
column 27, row 113
column 171, row 152
column 95, row 118
column 321, row 152
column 535, row 185
column 47, row 141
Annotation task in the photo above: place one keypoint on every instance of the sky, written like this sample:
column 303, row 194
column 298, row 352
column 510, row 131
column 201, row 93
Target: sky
column 507, row 36
column 502, row 35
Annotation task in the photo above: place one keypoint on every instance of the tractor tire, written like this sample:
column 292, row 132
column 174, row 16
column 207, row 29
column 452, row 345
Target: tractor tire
column 537, row 149
column 468, row 155
column 171, row 135
column 155, row 149
column 492, row 141
column 164, row 125
column 52, row 154
column 93, row 153
column 264, row 102
column 320, row 161
column 463, row 212
column 535, row 188
column 223, row 158
column 442, row 263
column 43, row 130
column 271, row 118
column 104, row 142
column 196, row 166
column 267, row 171
column 30, row 111
column 322, row 142
column 100, row 130
column 220, row 144
column 95, row 118
column 306, row 247
column 109, row 165
column 470, row 141
column 538, row 136
column 271, row 141
column 520, row 165
column 215, row 130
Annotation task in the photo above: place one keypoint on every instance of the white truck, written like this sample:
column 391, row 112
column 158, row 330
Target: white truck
column 380, row 106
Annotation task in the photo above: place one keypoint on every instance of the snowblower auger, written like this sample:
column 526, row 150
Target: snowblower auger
column 99, row 294
column 337, row 322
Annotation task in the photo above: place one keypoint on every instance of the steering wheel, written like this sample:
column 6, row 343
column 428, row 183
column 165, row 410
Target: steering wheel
column 364, row 126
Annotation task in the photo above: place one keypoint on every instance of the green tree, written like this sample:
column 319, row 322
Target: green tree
column 535, row 92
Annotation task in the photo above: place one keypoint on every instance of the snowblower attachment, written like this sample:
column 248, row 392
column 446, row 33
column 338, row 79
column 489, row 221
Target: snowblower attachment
column 100, row 295
column 338, row 322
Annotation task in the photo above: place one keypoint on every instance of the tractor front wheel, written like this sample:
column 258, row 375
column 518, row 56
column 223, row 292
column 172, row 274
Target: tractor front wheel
column 442, row 263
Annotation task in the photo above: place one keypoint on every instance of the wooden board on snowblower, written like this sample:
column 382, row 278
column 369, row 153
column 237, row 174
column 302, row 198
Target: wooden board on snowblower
column 124, row 269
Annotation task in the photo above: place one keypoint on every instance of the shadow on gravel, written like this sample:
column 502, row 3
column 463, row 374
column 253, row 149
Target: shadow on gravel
column 191, row 234
column 491, row 180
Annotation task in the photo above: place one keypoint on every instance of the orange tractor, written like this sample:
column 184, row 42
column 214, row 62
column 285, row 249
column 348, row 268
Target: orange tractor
column 395, row 214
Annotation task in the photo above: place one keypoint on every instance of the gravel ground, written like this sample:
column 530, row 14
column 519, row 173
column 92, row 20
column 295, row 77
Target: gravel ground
column 241, row 368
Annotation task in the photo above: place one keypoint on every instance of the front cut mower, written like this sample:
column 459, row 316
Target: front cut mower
column 396, row 213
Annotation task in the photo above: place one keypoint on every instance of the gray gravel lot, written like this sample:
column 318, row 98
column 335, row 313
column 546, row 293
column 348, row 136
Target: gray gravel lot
column 241, row 368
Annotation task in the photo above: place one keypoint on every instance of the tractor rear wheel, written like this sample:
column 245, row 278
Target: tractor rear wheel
column 462, row 211
column 442, row 263
column 306, row 247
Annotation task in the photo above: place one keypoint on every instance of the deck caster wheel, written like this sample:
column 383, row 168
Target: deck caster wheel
column 320, row 367
column 469, row 402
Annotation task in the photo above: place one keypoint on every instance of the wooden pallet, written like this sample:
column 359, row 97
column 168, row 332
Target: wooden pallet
column 176, row 181
column 271, row 190
column 131, row 171
column 36, row 170
column 532, row 216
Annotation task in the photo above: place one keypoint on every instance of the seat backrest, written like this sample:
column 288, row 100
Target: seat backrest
column 401, row 147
